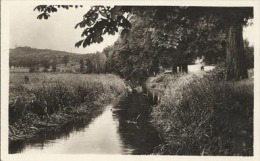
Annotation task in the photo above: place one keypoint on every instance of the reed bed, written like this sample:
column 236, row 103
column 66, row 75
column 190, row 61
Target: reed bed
column 48, row 101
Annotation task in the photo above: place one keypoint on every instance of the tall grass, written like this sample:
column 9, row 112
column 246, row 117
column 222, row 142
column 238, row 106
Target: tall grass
column 203, row 115
column 51, row 99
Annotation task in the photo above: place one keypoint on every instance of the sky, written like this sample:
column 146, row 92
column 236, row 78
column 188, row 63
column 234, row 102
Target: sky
column 58, row 32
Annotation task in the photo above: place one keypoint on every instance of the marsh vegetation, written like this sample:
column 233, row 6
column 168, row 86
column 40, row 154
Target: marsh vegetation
column 48, row 101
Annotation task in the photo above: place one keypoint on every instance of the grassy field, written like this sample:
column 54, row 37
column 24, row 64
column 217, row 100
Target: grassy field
column 202, row 114
column 46, row 101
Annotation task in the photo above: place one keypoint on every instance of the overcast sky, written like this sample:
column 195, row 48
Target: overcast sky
column 58, row 32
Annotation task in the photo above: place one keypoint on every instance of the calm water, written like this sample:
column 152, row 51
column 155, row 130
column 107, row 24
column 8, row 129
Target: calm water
column 123, row 129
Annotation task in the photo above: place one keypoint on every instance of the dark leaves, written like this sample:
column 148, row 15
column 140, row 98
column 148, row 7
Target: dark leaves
column 48, row 9
column 40, row 8
column 86, row 42
column 76, row 26
column 65, row 6
column 103, row 14
column 83, row 23
column 78, row 44
column 53, row 9
column 46, row 16
column 124, row 33
column 115, row 12
column 43, row 15
column 89, row 23
column 94, row 16
column 40, row 16
column 99, row 20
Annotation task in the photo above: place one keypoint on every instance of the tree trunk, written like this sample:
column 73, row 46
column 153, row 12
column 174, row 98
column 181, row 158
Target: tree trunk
column 184, row 68
column 236, row 62
column 174, row 69
column 180, row 69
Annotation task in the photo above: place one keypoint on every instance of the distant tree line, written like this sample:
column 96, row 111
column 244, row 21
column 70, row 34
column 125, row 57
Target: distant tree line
column 93, row 63
column 45, row 58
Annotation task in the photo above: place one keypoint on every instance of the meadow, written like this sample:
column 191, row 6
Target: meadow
column 45, row 101
column 202, row 114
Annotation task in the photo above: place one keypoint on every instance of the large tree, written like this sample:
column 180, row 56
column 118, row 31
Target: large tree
column 134, row 56
column 100, row 20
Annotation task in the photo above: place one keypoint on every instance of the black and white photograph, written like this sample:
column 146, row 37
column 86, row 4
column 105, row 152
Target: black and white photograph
column 139, row 78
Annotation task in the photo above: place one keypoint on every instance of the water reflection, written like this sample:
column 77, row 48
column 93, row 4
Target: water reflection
column 48, row 137
column 134, row 126
column 123, row 129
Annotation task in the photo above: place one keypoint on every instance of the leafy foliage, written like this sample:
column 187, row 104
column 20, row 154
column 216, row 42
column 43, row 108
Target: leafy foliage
column 132, row 56
column 105, row 19
column 141, row 50
column 100, row 20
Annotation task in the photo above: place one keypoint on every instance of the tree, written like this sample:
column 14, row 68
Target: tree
column 54, row 64
column 236, row 64
column 107, row 50
column 105, row 19
column 81, row 65
column 45, row 63
column 249, row 52
column 65, row 59
column 100, row 61
column 89, row 65
column 134, row 57
column 228, row 19
column 207, row 40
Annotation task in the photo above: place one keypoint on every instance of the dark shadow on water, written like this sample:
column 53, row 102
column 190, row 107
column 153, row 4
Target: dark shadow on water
column 135, row 127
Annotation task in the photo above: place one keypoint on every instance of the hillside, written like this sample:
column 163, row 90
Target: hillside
column 23, row 58
column 27, row 56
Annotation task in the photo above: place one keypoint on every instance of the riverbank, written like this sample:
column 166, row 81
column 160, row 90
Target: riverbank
column 203, row 114
column 46, row 102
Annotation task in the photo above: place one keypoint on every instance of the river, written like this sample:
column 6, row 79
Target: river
column 121, row 129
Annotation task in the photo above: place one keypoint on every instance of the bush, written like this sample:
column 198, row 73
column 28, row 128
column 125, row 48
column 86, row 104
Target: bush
column 203, row 115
